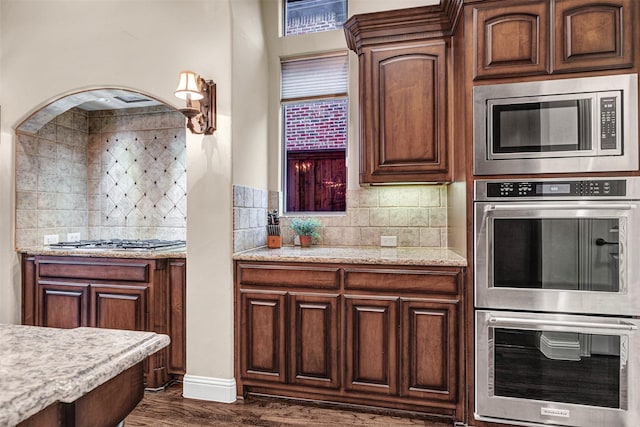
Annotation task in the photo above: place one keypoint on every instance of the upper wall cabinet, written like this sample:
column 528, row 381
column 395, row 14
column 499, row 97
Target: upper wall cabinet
column 593, row 35
column 550, row 36
column 405, row 86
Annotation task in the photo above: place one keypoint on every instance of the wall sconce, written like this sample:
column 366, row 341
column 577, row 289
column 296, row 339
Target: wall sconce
column 200, row 95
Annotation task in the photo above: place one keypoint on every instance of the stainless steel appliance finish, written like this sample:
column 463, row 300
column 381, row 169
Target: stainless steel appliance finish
column 563, row 125
column 121, row 244
column 517, row 384
column 558, row 245
column 563, row 253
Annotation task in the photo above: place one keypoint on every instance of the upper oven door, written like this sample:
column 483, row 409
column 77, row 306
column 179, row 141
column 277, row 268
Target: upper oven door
column 564, row 256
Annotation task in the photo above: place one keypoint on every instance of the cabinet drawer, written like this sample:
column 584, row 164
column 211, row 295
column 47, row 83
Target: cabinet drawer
column 98, row 269
column 443, row 282
column 287, row 275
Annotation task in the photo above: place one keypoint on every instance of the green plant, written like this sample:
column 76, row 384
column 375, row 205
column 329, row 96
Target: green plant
column 306, row 227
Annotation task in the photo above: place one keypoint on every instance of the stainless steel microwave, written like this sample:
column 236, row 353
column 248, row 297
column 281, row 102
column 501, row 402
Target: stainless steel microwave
column 587, row 124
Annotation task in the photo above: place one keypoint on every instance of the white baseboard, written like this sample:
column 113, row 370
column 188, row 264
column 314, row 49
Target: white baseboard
column 206, row 388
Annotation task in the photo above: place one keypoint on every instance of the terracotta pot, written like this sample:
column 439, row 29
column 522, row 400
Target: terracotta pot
column 305, row 241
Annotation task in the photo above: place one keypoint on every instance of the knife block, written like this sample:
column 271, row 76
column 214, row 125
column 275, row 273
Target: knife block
column 274, row 242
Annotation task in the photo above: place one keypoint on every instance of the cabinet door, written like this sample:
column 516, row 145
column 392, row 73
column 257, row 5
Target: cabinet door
column 119, row 307
column 404, row 102
column 593, row 35
column 262, row 332
column 511, row 40
column 314, row 340
column 63, row 304
column 29, row 290
column 371, row 345
column 177, row 321
column 428, row 349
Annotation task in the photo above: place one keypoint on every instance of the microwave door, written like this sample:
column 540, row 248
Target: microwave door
column 542, row 127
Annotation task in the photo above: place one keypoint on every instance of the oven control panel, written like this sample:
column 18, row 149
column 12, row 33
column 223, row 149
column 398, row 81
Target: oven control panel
column 586, row 188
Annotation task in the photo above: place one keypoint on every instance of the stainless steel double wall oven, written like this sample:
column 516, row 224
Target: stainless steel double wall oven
column 557, row 293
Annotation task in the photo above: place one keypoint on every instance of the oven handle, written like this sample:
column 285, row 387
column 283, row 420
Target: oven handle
column 505, row 321
column 565, row 206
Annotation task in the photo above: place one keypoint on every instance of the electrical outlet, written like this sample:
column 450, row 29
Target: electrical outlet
column 389, row 241
column 50, row 239
column 73, row 237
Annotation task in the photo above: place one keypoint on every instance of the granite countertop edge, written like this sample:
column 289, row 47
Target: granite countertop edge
column 356, row 255
column 104, row 253
column 68, row 386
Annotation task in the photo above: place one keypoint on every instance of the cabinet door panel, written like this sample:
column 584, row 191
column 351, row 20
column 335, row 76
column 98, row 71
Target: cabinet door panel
column 511, row 40
column 262, row 333
column 314, row 340
column 63, row 305
column 429, row 349
column 176, row 309
column 593, row 36
column 405, row 137
column 119, row 307
column 371, row 347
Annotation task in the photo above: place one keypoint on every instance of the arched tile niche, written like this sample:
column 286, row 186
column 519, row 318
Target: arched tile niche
column 104, row 163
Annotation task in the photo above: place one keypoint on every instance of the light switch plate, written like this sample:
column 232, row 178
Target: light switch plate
column 50, row 239
column 73, row 237
column 389, row 241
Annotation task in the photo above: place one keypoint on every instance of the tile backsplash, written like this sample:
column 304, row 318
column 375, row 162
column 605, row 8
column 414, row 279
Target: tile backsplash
column 249, row 217
column 103, row 174
column 415, row 214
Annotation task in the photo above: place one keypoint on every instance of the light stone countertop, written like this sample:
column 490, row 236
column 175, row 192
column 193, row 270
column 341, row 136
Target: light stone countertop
column 356, row 255
column 39, row 366
column 106, row 253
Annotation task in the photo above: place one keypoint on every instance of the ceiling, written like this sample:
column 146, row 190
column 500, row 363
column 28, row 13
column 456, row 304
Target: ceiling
column 91, row 100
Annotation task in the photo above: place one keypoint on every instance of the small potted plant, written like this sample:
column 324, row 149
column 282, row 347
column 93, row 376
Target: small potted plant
column 306, row 228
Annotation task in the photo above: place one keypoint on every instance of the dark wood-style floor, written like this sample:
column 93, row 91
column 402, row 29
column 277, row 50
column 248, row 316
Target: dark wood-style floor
column 169, row 408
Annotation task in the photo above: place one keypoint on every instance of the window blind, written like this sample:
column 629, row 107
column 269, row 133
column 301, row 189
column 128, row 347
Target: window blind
column 315, row 77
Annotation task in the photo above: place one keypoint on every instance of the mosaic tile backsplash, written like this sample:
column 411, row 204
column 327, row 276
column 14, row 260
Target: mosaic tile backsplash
column 103, row 174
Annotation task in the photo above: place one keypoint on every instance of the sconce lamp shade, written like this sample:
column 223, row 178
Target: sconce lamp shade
column 188, row 87
column 200, row 95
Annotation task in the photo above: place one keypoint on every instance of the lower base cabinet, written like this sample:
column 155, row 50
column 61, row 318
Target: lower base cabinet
column 384, row 336
column 114, row 293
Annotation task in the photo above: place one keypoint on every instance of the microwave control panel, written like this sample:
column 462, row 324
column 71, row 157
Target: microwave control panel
column 587, row 188
column 608, row 121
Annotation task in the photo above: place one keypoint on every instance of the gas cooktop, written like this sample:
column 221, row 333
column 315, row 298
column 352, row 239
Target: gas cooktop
column 121, row 244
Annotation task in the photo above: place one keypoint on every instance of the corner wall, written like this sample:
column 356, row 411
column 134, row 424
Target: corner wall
column 58, row 47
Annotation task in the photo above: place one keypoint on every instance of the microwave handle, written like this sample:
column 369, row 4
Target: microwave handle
column 561, row 206
column 507, row 321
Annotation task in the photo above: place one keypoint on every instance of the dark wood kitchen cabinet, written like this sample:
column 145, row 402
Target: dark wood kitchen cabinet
column 405, row 85
column 288, row 321
column 532, row 37
column 116, row 293
column 386, row 336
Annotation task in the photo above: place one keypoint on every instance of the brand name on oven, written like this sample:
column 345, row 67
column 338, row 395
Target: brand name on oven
column 564, row 413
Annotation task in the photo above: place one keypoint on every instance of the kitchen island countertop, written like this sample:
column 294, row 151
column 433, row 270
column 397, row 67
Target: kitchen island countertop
column 356, row 255
column 41, row 366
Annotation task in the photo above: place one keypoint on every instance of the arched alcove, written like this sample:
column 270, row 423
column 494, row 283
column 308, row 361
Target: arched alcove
column 106, row 163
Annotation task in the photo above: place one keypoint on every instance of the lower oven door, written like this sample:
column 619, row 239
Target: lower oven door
column 553, row 369
column 566, row 257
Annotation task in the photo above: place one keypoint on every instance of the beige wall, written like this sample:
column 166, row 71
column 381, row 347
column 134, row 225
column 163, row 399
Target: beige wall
column 57, row 47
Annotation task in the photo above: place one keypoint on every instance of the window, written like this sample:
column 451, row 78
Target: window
column 314, row 111
column 313, row 16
